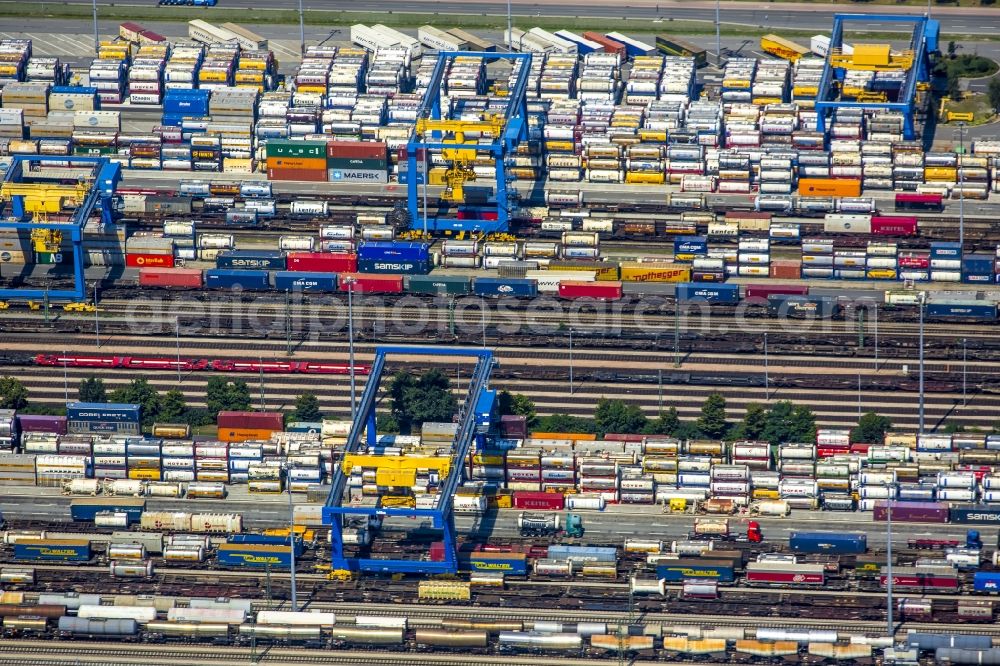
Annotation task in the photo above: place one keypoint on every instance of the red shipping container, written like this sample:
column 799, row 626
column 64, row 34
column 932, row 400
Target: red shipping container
column 369, row 283
column 786, row 269
column 604, row 291
column 139, row 260
column 321, row 262
column 251, row 420
column 893, row 226
column 437, row 551
column 308, row 175
column 610, row 45
column 860, row 448
column 524, row 499
column 914, row 261
column 765, row 290
column 619, row 437
column 789, row 577
column 912, row 512
column 366, row 150
column 170, row 277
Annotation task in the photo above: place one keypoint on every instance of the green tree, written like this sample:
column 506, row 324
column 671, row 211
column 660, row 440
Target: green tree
column 415, row 401
column 173, row 407
column 566, row 423
column 952, row 49
column 668, row 423
column 712, row 422
column 13, row 394
column 618, row 416
column 386, row 423
column 307, row 408
column 92, row 390
column 951, row 428
column 871, row 429
column 516, row 404
column 223, row 394
column 139, row 392
column 993, row 92
column 954, row 89
column 787, row 422
column 754, row 421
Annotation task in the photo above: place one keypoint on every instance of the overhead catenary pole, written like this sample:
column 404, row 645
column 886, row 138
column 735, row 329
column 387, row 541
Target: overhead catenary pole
column 97, row 320
column 718, row 35
column 291, row 546
column 510, row 27
column 890, row 632
column 97, row 38
column 961, row 189
column 920, row 343
column 767, row 378
column 571, row 361
column 302, row 29
column 965, row 369
column 177, row 340
column 65, row 378
column 875, row 318
column 350, row 343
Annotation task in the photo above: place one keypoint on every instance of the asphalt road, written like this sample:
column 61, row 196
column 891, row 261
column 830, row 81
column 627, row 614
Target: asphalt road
column 611, row 526
column 985, row 22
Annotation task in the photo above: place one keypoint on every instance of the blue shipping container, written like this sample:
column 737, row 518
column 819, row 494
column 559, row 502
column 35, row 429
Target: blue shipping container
column 517, row 287
column 268, row 260
column 304, row 426
column 257, row 556
column 266, row 540
column 713, row 293
column 986, row 581
column 53, row 550
column 87, row 509
column 941, row 250
column 119, row 427
column 504, row 563
column 392, row 251
column 394, row 266
column 583, row 553
column 977, row 278
column 217, row 278
column 294, row 281
column 835, row 543
column 977, row 263
column 102, row 411
column 981, row 310
column 691, row 245
column 675, row 573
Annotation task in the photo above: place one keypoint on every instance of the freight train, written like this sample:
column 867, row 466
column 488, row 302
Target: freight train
column 198, row 364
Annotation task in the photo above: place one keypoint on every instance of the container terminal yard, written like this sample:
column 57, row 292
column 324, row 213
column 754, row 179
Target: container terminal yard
column 416, row 345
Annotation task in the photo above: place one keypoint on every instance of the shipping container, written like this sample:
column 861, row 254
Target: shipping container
column 834, row 543
column 829, row 187
column 170, row 277
column 371, row 284
column 321, row 262
column 513, row 287
column 687, row 568
column 911, row 512
column 302, row 281
column 512, row 564
column 712, row 293
column 251, row 280
column 257, row 556
column 53, row 550
column 265, row 260
column 444, row 284
column 604, row 291
column 539, row 501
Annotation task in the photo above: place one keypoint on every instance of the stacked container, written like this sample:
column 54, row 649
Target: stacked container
column 103, row 417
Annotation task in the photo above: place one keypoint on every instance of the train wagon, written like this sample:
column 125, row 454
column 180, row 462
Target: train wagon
column 685, row 568
column 53, row 550
column 86, row 509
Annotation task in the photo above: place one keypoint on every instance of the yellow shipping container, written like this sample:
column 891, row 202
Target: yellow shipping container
column 8, row 70
column 941, row 174
column 213, row 75
column 452, row 590
column 654, row 272
column 480, row 459
column 396, row 502
column 649, row 178
column 144, row 474
column 394, row 477
column 502, row 500
column 253, row 63
column 560, row 146
column 319, row 90
column 871, row 54
column 736, row 84
column 882, row 274
column 436, row 176
column 249, row 76
column 765, row 493
column 237, row 165
column 900, row 439
column 653, row 136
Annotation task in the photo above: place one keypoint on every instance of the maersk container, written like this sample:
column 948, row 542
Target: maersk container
column 269, row 260
column 518, row 288
column 217, row 278
column 834, row 543
column 296, row 281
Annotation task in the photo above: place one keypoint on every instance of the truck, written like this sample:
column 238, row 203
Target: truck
column 549, row 524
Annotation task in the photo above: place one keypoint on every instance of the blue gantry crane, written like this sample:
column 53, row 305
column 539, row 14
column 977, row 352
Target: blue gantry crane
column 50, row 198
column 433, row 130
column 475, row 418
column 892, row 93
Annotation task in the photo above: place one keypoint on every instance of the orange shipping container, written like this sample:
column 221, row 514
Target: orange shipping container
column 829, row 187
column 243, row 434
column 298, row 163
column 786, row 269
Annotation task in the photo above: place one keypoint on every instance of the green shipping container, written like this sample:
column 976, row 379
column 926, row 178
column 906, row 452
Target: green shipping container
column 356, row 164
column 439, row 284
column 94, row 150
column 277, row 148
column 50, row 257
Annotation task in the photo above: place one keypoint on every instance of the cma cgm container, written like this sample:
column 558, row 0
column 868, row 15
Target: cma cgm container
column 512, row 564
column 267, row 260
column 713, row 293
column 295, row 281
column 102, row 411
column 912, row 512
column 538, row 501
column 835, row 543
column 516, row 287
column 170, row 277
column 218, row 278
column 684, row 568
column 257, row 556
column 53, row 550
